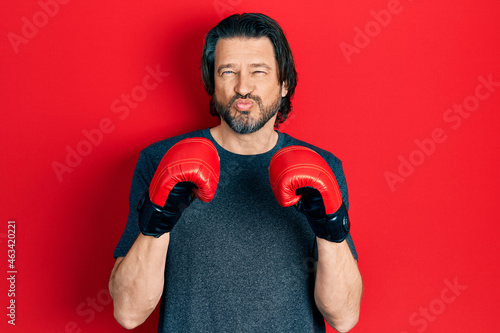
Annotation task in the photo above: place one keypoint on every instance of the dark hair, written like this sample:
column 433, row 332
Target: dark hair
column 251, row 25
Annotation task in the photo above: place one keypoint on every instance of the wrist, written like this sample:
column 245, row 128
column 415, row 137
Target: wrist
column 153, row 219
column 332, row 227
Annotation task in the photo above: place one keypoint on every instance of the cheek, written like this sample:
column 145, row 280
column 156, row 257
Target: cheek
column 274, row 92
column 221, row 90
column 219, row 95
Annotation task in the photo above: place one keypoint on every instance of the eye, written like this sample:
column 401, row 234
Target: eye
column 259, row 72
column 227, row 73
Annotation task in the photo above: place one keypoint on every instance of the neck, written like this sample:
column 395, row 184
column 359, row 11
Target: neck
column 258, row 142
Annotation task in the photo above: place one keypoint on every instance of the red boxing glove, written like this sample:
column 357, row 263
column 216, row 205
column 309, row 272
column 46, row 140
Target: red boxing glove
column 189, row 169
column 299, row 176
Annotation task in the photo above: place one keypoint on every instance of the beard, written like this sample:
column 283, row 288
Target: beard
column 242, row 123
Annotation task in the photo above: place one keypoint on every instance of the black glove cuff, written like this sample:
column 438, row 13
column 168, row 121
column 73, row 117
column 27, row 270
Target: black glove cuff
column 153, row 219
column 334, row 227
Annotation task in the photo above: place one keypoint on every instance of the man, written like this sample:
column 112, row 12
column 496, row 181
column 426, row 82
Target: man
column 214, row 236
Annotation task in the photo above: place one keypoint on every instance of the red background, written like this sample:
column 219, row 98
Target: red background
column 414, row 237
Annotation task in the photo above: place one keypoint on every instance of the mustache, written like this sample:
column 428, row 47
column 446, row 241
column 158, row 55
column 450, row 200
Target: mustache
column 239, row 96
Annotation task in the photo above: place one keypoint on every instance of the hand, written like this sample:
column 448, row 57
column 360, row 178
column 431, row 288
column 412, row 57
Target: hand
column 189, row 170
column 299, row 176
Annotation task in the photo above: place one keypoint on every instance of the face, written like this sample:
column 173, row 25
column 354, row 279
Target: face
column 247, row 90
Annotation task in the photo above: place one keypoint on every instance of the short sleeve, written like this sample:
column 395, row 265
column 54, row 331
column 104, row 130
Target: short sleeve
column 143, row 174
column 338, row 171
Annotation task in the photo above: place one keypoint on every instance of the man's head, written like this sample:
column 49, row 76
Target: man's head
column 247, row 63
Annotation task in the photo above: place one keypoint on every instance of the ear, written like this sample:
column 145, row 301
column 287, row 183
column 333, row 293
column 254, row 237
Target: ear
column 284, row 89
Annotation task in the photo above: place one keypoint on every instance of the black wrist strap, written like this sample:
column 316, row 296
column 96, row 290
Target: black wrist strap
column 333, row 227
column 153, row 220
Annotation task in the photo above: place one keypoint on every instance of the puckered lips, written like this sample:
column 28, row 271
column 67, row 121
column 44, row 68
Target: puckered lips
column 243, row 104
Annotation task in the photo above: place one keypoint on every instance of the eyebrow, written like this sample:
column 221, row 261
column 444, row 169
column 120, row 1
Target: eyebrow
column 254, row 65
column 257, row 65
column 225, row 66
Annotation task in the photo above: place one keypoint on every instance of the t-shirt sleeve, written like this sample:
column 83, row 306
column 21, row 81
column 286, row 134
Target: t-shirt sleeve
column 338, row 171
column 143, row 174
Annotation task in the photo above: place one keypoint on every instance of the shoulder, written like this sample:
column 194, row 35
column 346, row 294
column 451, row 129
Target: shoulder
column 154, row 152
column 333, row 160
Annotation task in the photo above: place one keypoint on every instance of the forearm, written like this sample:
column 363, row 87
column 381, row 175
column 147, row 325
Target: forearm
column 137, row 280
column 338, row 286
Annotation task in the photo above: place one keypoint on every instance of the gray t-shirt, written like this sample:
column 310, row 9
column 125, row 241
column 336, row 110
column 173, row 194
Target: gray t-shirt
column 240, row 263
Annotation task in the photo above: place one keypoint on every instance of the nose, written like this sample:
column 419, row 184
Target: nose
column 244, row 84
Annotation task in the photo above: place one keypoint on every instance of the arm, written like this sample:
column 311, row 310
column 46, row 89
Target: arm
column 338, row 286
column 189, row 169
column 301, row 177
column 136, row 282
